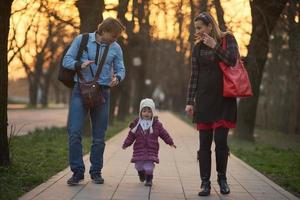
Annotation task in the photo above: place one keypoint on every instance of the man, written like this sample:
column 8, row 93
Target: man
column 112, row 73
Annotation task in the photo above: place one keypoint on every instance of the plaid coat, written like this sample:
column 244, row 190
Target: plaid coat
column 146, row 145
column 205, row 89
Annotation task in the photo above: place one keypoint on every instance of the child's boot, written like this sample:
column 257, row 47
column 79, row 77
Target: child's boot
column 149, row 180
column 142, row 175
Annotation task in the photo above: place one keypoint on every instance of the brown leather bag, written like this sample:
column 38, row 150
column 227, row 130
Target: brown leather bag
column 91, row 92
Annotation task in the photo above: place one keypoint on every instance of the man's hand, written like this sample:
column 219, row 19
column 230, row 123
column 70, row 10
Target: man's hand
column 86, row 64
column 173, row 145
column 114, row 81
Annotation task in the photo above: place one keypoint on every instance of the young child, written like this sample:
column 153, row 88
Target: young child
column 144, row 132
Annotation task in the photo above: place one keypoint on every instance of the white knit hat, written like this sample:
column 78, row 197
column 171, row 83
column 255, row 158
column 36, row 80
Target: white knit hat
column 146, row 103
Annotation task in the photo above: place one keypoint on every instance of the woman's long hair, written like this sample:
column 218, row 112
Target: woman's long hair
column 207, row 19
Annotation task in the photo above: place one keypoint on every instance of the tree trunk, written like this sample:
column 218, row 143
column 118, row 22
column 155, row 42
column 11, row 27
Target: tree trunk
column 143, row 38
column 191, row 27
column 5, row 11
column 264, row 17
column 90, row 13
column 203, row 5
column 220, row 15
column 125, row 87
column 45, row 90
column 57, row 91
column 294, row 69
column 33, row 88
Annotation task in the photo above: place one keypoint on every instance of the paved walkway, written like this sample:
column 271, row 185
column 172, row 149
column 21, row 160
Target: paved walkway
column 26, row 120
column 176, row 177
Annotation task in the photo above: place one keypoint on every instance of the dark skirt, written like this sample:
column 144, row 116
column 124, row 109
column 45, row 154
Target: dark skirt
column 210, row 105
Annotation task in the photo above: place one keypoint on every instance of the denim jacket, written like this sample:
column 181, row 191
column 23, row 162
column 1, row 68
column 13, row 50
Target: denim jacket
column 113, row 64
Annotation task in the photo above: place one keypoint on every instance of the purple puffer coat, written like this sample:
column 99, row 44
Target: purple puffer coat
column 146, row 145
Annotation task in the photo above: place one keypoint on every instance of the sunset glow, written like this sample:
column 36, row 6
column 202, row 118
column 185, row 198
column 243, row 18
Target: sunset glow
column 163, row 18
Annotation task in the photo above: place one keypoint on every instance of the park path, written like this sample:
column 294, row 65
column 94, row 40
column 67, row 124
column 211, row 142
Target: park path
column 175, row 178
column 27, row 120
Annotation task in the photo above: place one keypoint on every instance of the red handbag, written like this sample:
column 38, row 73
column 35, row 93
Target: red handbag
column 235, row 78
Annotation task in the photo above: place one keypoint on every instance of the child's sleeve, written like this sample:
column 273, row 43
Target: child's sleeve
column 164, row 135
column 129, row 140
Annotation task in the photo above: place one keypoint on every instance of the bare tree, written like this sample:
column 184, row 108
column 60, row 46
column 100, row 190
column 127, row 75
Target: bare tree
column 282, row 68
column 203, row 5
column 264, row 16
column 293, row 12
column 220, row 15
column 141, row 13
column 121, row 96
column 192, row 28
column 44, row 58
column 5, row 12
column 90, row 14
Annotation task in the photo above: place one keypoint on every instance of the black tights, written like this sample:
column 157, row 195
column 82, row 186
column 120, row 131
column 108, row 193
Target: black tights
column 220, row 138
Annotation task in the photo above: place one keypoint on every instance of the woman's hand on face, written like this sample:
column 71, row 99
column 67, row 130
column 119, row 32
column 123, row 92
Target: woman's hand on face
column 189, row 109
column 209, row 41
column 86, row 64
column 198, row 37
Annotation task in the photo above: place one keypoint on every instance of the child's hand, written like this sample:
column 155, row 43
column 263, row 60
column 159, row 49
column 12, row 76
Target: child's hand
column 173, row 145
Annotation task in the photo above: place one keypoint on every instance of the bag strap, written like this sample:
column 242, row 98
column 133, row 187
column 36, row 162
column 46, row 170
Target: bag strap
column 83, row 43
column 103, row 58
column 224, row 46
column 96, row 59
column 224, row 43
column 83, row 46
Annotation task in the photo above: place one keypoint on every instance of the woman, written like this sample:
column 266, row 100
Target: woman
column 212, row 113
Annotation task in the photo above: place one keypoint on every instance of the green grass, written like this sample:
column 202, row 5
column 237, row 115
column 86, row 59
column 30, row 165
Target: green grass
column 280, row 162
column 274, row 154
column 38, row 156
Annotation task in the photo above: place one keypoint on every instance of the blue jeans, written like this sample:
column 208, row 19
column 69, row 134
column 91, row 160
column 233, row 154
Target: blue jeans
column 99, row 120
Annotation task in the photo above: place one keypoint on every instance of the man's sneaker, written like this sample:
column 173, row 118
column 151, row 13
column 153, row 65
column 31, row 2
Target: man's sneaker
column 75, row 179
column 97, row 178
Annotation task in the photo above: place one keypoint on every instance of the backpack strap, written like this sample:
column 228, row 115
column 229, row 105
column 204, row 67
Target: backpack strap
column 83, row 43
column 82, row 47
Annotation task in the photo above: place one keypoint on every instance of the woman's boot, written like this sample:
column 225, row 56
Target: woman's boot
column 205, row 186
column 204, row 158
column 221, row 162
